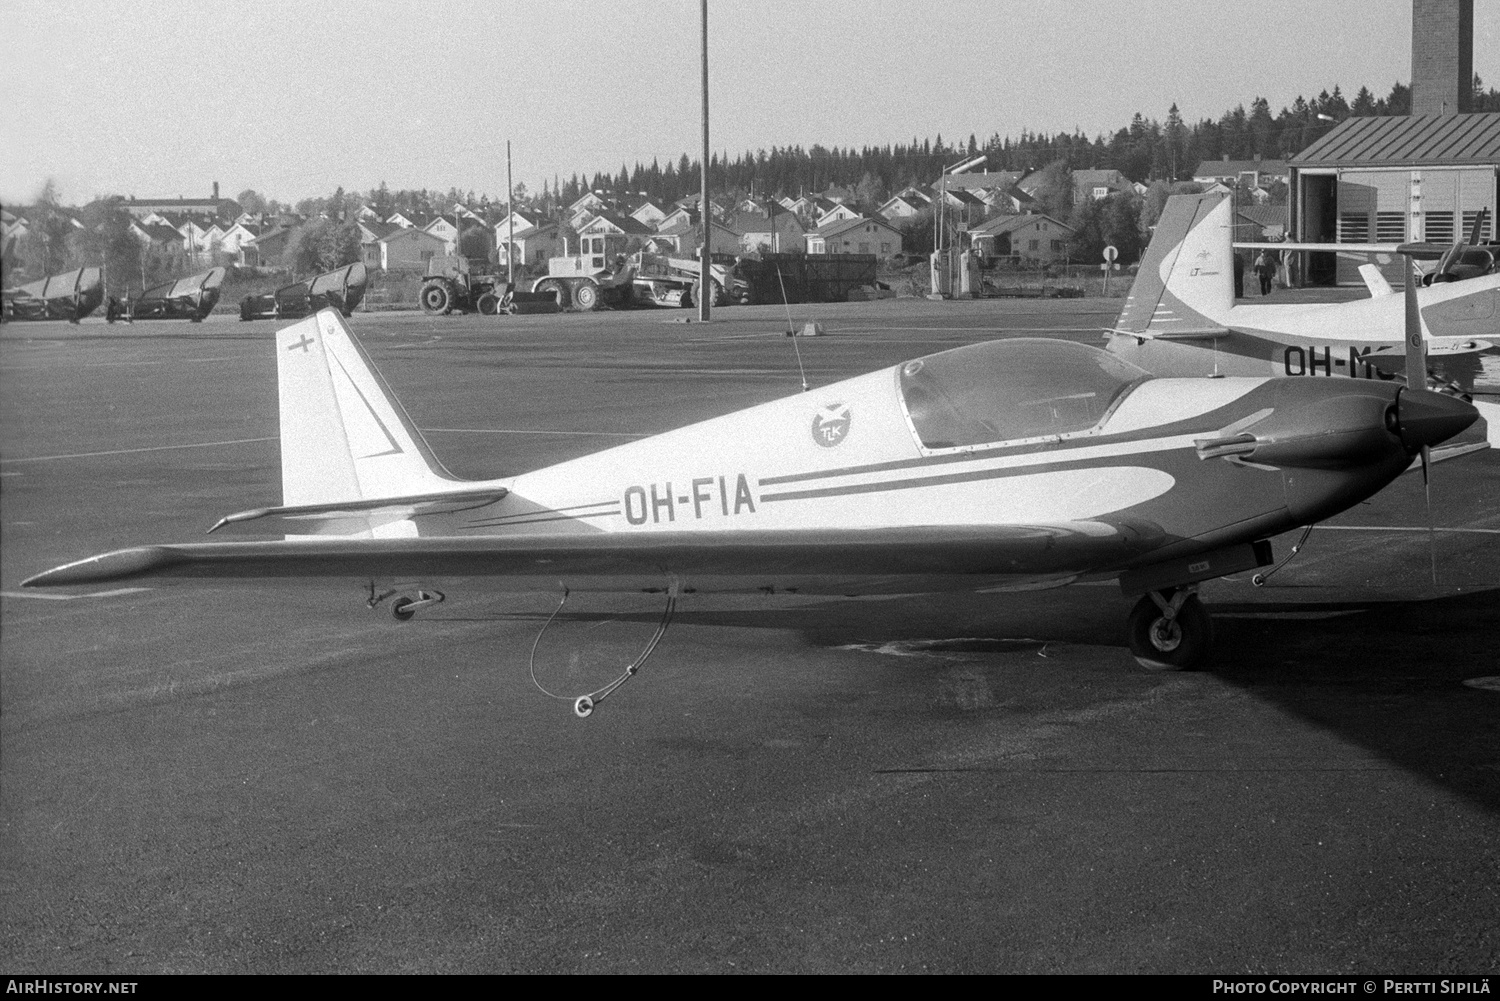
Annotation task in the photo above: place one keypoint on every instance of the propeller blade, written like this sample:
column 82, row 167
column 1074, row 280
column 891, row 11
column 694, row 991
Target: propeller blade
column 1416, row 348
column 1427, row 497
column 1446, row 262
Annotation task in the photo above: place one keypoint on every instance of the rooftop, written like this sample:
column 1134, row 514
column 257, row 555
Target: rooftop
column 1407, row 141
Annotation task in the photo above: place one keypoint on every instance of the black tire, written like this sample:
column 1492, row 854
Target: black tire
column 488, row 304
column 436, row 298
column 400, row 611
column 586, row 295
column 716, row 292
column 558, row 290
column 1181, row 644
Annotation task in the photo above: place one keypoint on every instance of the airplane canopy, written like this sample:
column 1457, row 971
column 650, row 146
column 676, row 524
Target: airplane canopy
column 1011, row 390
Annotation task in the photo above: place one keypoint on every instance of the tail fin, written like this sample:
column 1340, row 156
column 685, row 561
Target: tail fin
column 344, row 437
column 1185, row 285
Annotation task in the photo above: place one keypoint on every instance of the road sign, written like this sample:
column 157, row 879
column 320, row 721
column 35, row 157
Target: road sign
column 1110, row 253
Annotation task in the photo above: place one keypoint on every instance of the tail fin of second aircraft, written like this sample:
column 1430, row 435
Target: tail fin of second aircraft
column 344, row 437
column 1185, row 285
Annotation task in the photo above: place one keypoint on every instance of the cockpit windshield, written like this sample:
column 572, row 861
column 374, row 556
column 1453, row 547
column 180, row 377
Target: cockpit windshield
column 1011, row 390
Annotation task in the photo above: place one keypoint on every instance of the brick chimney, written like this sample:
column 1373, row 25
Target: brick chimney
column 216, row 191
column 1442, row 56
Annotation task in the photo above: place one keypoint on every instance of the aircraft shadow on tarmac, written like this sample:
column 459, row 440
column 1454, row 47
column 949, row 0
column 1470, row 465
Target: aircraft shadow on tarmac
column 1383, row 674
column 1386, row 675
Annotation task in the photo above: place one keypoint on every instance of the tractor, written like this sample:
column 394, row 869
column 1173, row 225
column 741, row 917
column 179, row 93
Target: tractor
column 451, row 286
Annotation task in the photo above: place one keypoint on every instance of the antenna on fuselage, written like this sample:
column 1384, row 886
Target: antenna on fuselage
column 791, row 330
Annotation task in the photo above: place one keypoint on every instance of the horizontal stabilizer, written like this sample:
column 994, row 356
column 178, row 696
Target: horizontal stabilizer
column 1375, row 281
column 346, row 517
column 1174, row 334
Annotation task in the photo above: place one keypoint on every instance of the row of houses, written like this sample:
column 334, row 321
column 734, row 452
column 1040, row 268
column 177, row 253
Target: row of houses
column 618, row 225
column 1001, row 212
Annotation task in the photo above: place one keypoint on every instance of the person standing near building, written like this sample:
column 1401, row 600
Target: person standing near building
column 1265, row 270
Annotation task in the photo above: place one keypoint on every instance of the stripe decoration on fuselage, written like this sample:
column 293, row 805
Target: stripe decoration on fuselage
column 872, row 478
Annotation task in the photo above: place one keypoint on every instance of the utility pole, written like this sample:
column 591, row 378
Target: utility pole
column 510, row 206
column 705, row 278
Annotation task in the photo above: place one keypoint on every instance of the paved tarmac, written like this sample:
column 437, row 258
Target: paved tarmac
column 246, row 778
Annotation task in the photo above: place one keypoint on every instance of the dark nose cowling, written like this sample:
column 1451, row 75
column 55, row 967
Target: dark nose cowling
column 1425, row 418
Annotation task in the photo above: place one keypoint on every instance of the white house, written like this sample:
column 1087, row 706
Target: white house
column 1033, row 237
column 406, row 250
column 837, row 212
column 855, row 236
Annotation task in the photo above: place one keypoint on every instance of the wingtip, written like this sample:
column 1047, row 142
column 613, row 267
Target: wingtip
column 104, row 567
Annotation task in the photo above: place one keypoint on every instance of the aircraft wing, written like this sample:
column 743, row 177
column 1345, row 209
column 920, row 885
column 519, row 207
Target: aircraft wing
column 982, row 554
column 1337, row 248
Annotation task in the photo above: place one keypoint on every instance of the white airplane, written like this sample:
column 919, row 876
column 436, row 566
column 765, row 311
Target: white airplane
column 1181, row 317
column 1011, row 464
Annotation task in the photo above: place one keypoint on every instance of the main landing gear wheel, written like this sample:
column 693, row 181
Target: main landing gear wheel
column 1170, row 631
column 585, row 295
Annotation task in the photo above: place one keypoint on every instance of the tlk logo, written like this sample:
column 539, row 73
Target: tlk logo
column 831, row 425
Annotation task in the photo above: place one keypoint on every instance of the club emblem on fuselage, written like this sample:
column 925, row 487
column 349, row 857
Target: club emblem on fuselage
column 831, row 425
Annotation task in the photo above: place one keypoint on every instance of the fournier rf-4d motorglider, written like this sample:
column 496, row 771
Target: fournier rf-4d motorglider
column 1181, row 318
column 1006, row 465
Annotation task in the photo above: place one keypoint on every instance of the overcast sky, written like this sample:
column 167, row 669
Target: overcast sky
column 163, row 97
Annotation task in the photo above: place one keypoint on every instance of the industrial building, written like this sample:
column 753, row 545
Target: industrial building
column 1420, row 177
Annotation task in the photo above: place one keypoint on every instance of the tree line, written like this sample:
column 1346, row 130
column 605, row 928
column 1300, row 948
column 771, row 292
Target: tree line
column 1162, row 153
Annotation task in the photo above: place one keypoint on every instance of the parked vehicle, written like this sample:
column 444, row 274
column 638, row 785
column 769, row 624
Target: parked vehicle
column 806, row 277
column 452, row 285
column 70, row 296
column 585, row 281
column 342, row 288
column 675, row 281
column 189, row 299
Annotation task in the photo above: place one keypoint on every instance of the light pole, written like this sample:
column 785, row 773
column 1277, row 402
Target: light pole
column 705, row 279
column 938, row 236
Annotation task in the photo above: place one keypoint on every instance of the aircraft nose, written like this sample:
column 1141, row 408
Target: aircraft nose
column 1427, row 418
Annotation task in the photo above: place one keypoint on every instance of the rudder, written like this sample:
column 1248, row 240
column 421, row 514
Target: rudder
column 1185, row 283
column 344, row 436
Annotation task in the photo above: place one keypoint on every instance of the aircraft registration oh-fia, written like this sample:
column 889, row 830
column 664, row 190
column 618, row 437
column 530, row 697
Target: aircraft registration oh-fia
column 1002, row 465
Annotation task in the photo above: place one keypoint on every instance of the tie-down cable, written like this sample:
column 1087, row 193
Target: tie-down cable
column 584, row 705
